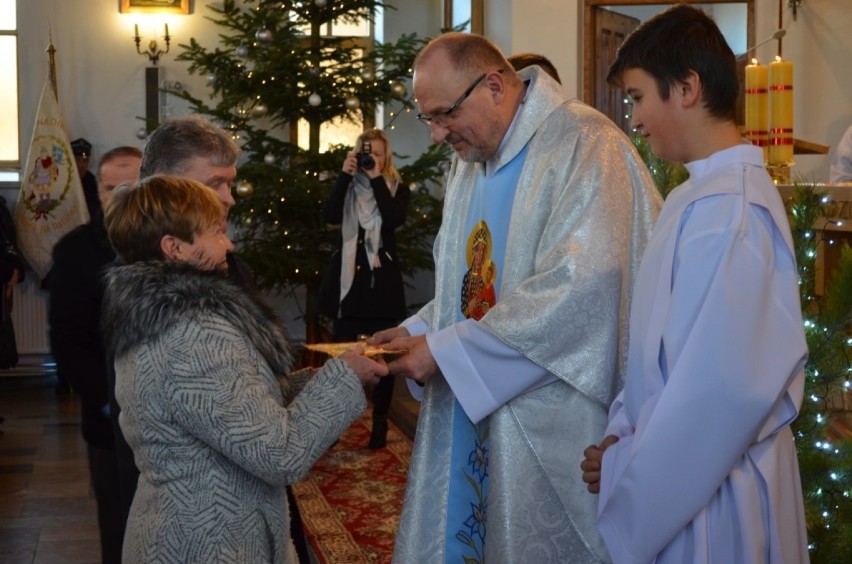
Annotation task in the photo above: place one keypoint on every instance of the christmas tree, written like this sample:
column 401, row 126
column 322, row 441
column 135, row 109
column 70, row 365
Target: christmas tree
column 278, row 77
column 825, row 465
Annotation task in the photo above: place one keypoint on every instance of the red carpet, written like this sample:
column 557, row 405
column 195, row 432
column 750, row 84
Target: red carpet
column 351, row 500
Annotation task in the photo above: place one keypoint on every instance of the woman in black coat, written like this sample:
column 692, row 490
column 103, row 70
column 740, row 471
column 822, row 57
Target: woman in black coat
column 362, row 290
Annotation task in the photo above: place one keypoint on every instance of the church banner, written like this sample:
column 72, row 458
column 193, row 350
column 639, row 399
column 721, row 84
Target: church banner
column 51, row 202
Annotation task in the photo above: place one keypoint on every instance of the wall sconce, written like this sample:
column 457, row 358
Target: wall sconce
column 794, row 5
column 153, row 52
column 152, row 76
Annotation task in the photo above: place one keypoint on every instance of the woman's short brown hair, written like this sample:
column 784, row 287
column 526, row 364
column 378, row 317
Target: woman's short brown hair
column 139, row 216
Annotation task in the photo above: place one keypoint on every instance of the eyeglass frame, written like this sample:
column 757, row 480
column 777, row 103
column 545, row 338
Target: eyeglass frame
column 445, row 115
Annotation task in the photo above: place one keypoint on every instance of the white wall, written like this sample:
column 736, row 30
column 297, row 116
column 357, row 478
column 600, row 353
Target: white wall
column 101, row 78
column 550, row 27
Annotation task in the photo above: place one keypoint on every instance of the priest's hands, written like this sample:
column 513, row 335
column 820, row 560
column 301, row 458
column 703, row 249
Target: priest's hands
column 417, row 363
column 386, row 336
column 591, row 466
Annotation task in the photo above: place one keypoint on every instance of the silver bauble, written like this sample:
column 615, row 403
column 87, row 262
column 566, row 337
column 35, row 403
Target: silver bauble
column 269, row 158
column 353, row 103
column 141, row 133
column 211, row 79
column 398, row 89
column 320, row 3
column 368, row 74
column 244, row 188
column 314, row 99
column 259, row 110
column 242, row 51
column 263, row 35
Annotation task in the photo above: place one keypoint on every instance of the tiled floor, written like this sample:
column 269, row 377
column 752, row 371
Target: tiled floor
column 47, row 512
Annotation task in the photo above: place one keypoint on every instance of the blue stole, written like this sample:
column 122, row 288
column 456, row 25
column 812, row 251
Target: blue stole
column 481, row 257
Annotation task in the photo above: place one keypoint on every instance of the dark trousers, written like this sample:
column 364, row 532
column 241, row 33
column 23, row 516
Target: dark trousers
column 103, row 468
column 349, row 329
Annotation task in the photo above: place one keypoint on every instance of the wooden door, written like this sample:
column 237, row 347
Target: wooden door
column 611, row 29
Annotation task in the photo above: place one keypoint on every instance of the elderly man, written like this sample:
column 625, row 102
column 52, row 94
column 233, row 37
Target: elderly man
column 74, row 314
column 548, row 203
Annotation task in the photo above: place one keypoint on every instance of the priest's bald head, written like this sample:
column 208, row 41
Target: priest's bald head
column 467, row 94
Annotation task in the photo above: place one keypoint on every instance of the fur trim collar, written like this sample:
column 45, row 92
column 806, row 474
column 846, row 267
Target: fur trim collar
column 146, row 299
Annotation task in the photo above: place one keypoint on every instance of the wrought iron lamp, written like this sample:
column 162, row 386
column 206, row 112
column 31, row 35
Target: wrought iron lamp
column 153, row 52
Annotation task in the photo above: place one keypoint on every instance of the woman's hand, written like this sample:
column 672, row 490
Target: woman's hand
column 350, row 164
column 368, row 370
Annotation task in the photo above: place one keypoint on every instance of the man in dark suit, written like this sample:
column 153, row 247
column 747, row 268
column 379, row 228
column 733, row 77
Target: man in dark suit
column 74, row 314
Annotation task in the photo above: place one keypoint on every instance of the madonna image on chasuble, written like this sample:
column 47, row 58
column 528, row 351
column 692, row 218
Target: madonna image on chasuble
column 477, row 292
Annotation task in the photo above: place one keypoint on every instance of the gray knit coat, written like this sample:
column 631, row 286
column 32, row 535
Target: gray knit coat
column 216, row 426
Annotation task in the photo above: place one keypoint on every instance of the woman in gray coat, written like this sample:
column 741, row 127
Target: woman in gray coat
column 216, row 425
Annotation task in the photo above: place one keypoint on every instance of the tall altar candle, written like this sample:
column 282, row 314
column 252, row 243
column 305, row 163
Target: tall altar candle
column 781, row 112
column 757, row 106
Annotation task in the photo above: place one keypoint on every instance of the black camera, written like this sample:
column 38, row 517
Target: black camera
column 365, row 160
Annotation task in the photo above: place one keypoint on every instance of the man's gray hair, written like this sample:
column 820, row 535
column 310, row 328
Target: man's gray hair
column 174, row 143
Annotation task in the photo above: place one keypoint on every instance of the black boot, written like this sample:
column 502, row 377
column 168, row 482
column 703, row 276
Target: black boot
column 382, row 394
column 379, row 435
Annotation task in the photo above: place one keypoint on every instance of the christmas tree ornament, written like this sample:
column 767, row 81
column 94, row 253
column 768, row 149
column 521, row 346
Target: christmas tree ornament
column 314, row 99
column 244, row 188
column 211, row 79
column 368, row 75
column 141, row 133
column 320, row 3
column 269, row 158
column 263, row 35
column 242, row 51
column 398, row 89
column 259, row 110
column 353, row 103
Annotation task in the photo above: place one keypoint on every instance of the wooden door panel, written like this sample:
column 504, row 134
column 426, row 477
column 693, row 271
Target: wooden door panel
column 611, row 29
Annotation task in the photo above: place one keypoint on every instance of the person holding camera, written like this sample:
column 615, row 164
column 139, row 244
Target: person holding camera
column 362, row 291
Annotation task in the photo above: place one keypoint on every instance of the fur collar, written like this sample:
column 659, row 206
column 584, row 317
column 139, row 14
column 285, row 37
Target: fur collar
column 146, row 299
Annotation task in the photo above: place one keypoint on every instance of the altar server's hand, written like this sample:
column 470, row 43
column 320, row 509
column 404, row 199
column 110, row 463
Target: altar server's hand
column 591, row 466
column 417, row 363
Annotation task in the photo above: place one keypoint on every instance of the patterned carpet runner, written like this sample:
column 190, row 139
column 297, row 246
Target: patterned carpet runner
column 351, row 500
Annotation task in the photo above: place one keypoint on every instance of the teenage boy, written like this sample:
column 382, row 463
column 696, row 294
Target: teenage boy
column 698, row 462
